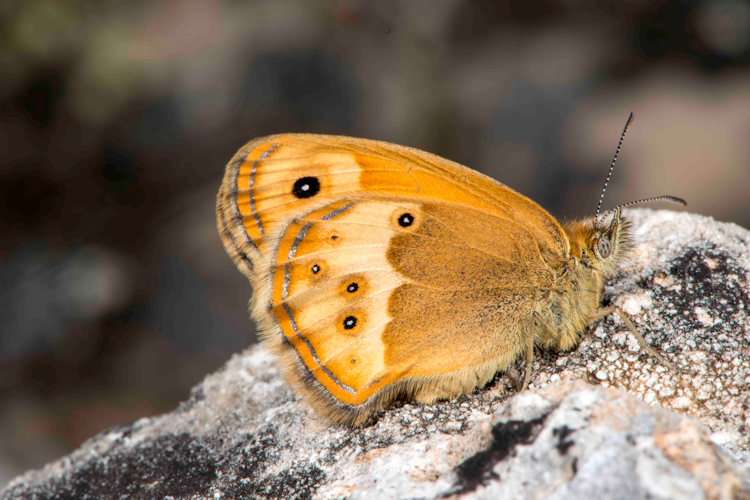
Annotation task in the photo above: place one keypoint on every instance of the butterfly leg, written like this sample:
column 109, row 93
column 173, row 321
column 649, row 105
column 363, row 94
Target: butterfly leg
column 529, row 356
column 606, row 311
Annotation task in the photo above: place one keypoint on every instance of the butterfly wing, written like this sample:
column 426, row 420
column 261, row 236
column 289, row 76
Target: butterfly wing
column 273, row 179
column 373, row 308
column 379, row 269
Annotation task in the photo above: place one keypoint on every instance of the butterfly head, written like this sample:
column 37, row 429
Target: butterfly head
column 609, row 242
column 597, row 245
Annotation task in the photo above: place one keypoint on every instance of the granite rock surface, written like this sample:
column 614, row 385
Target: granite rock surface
column 604, row 421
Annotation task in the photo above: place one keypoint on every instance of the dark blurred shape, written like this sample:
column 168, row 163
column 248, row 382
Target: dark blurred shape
column 661, row 29
column 479, row 18
column 700, row 31
column 724, row 25
column 161, row 126
column 310, row 87
column 27, row 199
column 46, row 291
column 180, row 310
column 120, row 174
column 42, row 96
column 535, row 115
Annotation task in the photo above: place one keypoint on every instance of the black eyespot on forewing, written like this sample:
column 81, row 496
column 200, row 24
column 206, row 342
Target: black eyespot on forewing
column 405, row 219
column 315, row 269
column 353, row 287
column 306, row 187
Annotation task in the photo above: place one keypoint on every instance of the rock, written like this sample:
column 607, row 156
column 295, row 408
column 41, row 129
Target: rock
column 640, row 431
column 686, row 288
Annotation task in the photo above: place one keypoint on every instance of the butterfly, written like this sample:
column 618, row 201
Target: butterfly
column 382, row 272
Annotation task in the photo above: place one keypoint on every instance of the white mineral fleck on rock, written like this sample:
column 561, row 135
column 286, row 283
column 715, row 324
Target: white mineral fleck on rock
column 711, row 263
column 649, row 397
column 613, row 356
column 667, row 281
column 620, row 338
column 635, row 304
column 633, row 345
column 681, row 402
column 667, row 391
column 704, row 317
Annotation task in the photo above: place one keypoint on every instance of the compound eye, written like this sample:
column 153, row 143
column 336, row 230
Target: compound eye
column 604, row 247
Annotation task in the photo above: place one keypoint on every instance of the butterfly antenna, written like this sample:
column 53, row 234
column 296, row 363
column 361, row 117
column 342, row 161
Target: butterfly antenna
column 664, row 197
column 612, row 166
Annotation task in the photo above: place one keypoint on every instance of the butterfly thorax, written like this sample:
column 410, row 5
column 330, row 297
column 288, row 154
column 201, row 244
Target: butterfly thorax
column 595, row 252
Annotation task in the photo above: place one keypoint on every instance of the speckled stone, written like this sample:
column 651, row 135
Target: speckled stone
column 604, row 421
column 686, row 288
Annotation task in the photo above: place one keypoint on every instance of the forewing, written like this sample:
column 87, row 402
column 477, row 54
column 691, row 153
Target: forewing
column 272, row 180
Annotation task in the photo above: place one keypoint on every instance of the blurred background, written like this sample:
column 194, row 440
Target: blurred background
column 117, row 118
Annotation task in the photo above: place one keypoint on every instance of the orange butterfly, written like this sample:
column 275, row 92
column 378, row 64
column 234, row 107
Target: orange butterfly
column 384, row 272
